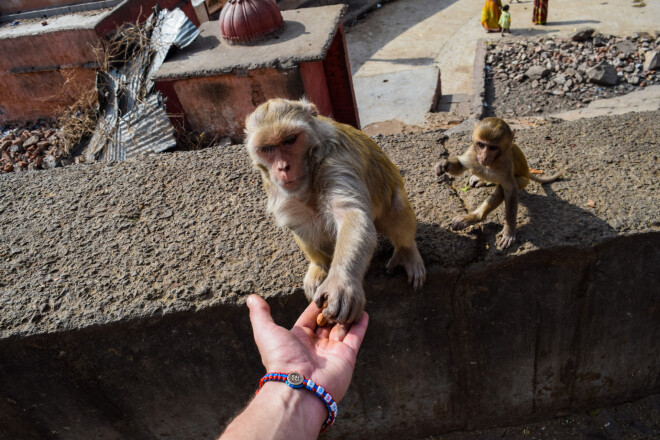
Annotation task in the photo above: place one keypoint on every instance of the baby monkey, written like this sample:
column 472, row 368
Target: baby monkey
column 493, row 157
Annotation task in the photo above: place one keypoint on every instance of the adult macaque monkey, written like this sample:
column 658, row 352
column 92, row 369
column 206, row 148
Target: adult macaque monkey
column 493, row 157
column 334, row 188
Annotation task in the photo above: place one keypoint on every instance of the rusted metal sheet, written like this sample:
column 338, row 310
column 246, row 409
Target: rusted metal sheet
column 144, row 130
column 174, row 30
column 134, row 120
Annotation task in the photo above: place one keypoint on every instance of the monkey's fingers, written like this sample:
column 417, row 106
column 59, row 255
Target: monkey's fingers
column 459, row 223
column 505, row 241
column 420, row 277
column 441, row 167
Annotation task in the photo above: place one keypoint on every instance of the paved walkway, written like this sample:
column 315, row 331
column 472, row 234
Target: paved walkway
column 395, row 50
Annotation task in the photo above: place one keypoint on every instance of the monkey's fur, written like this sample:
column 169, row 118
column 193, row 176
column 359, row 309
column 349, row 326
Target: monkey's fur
column 335, row 189
column 493, row 157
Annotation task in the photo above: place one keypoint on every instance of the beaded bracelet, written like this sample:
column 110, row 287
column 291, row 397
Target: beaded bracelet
column 297, row 380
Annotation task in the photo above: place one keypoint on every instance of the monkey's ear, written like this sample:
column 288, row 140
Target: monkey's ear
column 513, row 134
column 309, row 106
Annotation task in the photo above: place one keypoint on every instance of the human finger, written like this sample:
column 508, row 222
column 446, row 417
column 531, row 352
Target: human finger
column 339, row 332
column 259, row 315
column 356, row 333
column 308, row 317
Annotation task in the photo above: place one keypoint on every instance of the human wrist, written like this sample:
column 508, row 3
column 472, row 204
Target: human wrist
column 300, row 405
column 296, row 380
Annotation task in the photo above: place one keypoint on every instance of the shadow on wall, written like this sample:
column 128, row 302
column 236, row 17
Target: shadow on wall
column 553, row 220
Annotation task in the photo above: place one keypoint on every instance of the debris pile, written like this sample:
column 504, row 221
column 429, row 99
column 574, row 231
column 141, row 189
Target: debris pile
column 127, row 119
column 582, row 67
column 133, row 118
column 24, row 149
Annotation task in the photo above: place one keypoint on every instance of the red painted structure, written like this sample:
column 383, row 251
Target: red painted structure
column 43, row 68
column 212, row 86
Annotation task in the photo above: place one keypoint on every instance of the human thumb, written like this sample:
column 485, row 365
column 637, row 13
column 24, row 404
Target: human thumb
column 259, row 315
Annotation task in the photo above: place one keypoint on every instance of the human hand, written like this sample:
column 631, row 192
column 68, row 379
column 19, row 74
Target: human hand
column 325, row 355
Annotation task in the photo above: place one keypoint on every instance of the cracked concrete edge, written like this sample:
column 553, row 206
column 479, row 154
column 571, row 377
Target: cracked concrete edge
column 478, row 80
column 358, row 8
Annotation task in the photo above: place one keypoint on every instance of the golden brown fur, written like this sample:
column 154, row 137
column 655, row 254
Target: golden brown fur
column 493, row 157
column 334, row 188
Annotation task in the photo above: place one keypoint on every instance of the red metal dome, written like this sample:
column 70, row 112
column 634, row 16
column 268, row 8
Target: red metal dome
column 248, row 20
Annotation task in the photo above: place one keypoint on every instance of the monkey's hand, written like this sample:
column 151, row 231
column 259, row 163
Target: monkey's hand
column 313, row 279
column 476, row 182
column 507, row 238
column 463, row 221
column 344, row 295
column 442, row 167
column 410, row 259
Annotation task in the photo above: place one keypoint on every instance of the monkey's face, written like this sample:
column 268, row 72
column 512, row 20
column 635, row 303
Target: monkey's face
column 285, row 159
column 487, row 153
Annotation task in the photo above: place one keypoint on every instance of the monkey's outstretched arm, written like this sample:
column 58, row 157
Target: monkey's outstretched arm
column 454, row 166
column 356, row 241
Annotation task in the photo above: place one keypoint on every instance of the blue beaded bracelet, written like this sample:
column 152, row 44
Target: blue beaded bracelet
column 297, row 380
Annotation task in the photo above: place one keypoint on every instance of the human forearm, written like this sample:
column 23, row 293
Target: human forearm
column 279, row 412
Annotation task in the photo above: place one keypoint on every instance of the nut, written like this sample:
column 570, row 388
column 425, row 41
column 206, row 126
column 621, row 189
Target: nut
column 321, row 320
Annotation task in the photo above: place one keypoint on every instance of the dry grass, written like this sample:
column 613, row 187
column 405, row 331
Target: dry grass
column 192, row 141
column 78, row 121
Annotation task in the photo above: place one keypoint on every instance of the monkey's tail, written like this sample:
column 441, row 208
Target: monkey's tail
column 547, row 179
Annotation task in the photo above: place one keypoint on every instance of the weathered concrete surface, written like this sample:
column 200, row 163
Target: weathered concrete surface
column 640, row 101
column 14, row 6
column 121, row 289
column 406, row 34
column 306, row 36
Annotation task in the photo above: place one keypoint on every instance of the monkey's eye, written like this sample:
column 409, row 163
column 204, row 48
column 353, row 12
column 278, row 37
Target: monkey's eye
column 480, row 145
column 267, row 149
column 290, row 140
column 493, row 147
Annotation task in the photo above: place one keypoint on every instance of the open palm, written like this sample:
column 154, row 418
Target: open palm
column 325, row 355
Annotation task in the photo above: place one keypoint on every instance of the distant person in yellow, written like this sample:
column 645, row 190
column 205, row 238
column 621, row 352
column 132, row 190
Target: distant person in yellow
column 490, row 15
column 505, row 20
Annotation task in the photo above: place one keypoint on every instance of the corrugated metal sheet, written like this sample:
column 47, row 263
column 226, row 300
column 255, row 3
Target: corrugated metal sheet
column 106, row 124
column 134, row 120
column 146, row 129
column 174, row 28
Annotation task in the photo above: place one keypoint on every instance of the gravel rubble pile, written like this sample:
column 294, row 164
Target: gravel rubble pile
column 543, row 75
column 22, row 149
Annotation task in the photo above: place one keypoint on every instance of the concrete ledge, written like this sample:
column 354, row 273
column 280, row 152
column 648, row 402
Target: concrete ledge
column 122, row 288
column 478, row 80
column 406, row 95
column 472, row 349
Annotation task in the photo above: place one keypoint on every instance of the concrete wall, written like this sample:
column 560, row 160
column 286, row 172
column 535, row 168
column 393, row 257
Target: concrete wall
column 550, row 332
column 121, row 289
column 220, row 103
column 14, row 6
